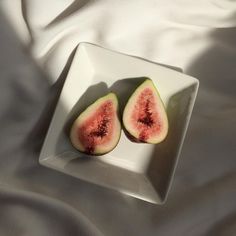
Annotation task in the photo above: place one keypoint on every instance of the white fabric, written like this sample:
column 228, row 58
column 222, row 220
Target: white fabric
column 172, row 32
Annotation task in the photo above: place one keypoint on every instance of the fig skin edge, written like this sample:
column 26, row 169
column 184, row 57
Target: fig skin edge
column 130, row 136
column 116, row 115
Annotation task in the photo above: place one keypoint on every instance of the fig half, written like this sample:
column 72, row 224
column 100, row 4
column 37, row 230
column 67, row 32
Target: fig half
column 144, row 116
column 97, row 129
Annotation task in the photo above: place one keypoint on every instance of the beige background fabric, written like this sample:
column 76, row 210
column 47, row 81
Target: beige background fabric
column 37, row 38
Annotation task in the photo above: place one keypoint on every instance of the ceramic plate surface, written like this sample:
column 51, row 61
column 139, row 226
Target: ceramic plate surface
column 142, row 170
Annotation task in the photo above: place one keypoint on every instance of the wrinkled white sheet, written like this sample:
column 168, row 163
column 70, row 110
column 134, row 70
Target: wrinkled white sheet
column 197, row 36
column 171, row 32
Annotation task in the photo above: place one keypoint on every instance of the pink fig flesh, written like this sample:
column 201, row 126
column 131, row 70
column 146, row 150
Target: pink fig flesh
column 144, row 116
column 97, row 130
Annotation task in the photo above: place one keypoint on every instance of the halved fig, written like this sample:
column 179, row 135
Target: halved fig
column 97, row 129
column 144, row 115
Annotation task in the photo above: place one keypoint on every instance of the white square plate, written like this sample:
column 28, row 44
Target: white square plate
column 140, row 170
